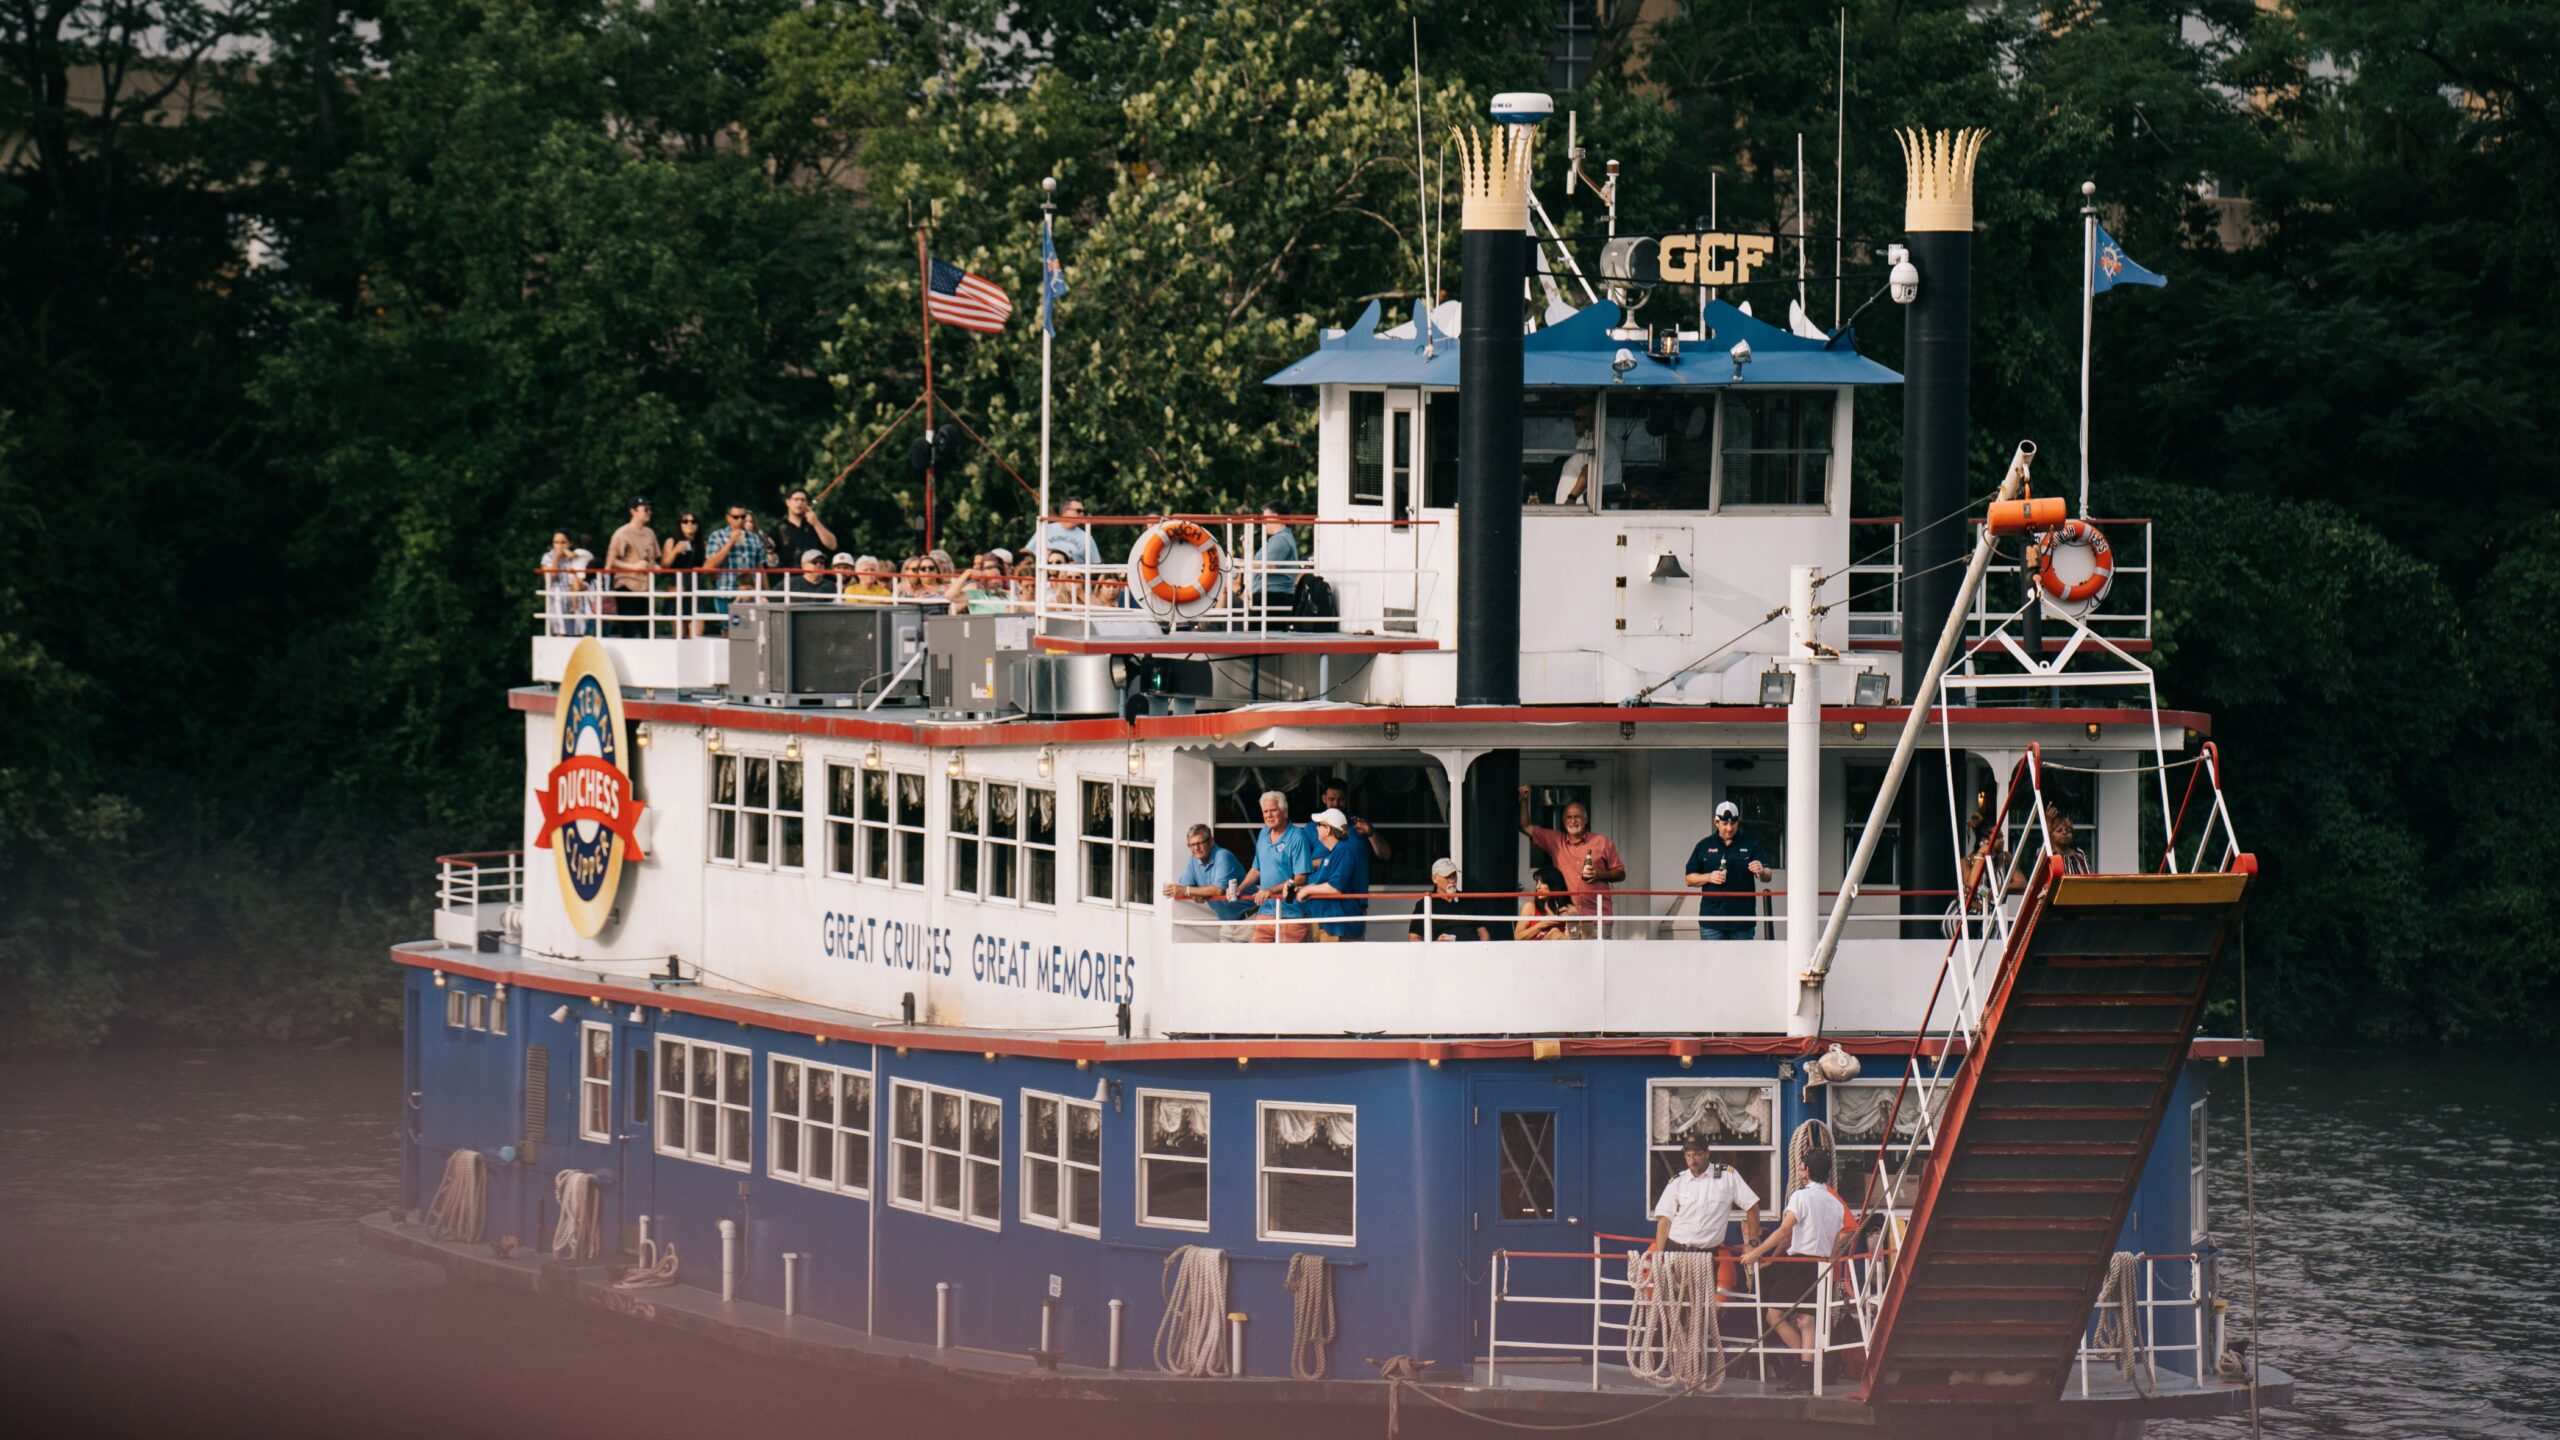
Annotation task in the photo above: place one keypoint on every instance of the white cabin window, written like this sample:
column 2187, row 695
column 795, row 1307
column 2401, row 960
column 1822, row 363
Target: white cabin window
column 1368, row 447
column 706, row 1102
column 1737, row 1117
column 1004, row 842
column 1173, row 1160
column 1119, row 831
column 1310, row 1173
column 2195, row 1171
column 819, row 1126
column 457, row 1009
column 1858, row 1115
column 595, row 1082
column 946, row 1153
column 1776, row 451
column 1062, row 1163
column 758, row 819
column 479, row 1012
column 875, row 825
column 1661, row 451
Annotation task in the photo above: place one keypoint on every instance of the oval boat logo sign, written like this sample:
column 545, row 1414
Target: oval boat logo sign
column 588, row 810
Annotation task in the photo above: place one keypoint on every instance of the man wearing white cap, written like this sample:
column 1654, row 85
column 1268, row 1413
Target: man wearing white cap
column 1447, row 919
column 1727, row 870
column 1341, row 873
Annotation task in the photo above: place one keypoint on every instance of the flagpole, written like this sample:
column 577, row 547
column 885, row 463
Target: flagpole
column 924, row 311
column 2088, row 297
column 1048, row 328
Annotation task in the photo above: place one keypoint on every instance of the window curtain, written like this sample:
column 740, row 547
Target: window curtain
column 1298, row 1127
column 1172, row 1119
column 1858, row 1111
column 1679, row 1110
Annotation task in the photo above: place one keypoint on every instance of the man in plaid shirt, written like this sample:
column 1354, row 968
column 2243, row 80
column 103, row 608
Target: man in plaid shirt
column 732, row 548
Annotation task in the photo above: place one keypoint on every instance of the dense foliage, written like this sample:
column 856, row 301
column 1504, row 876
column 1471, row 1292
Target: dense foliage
column 315, row 319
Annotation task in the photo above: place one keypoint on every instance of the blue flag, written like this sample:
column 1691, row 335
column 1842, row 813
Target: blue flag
column 2115, row 268
column 1053, row 280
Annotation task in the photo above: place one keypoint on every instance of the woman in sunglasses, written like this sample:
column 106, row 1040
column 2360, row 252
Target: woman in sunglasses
column 681, row 553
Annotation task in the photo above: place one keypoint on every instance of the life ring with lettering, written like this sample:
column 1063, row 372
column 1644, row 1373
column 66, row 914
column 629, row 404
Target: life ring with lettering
column 2089, row 588
column 1160, row 542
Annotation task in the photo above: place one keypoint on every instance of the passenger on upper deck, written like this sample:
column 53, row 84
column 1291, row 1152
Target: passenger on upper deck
column 1589, row 861
column 630, row 555
column 1212, row 878
column 866, row 580
column 915, row 579
column 1282, row 855
column 1443, row 913
column 2066, row 842
column 801, row 529
column 559, row 590
column 682, row 553
column 1066, row 533
column 1275, row 584
column 1341, row 874
column 811, row 581
column 986, row 588
column 1727, row 870
column 733, row 548
column 1066, row 588
column 1547, row 914
column 1337, row 796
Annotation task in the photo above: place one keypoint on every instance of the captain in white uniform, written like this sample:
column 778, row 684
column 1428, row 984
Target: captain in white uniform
column 1699, row 1203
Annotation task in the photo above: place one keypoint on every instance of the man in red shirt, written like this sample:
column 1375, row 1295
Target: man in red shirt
column 1588, row 859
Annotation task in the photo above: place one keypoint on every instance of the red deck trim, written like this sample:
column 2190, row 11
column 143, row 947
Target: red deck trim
column 1238, row 648
column 853, row 725
column 694, row 1002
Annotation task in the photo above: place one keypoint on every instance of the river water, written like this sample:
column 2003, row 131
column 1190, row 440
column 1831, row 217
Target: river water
column 177, row 1258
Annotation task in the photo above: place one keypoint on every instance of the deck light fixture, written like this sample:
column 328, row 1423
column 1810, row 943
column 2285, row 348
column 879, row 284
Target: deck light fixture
column 871, row 758
column 2092, row 728
column 1869, row 692
column 1137, row 759
column 1778, row 687
column 1857, row 729
column 640, row 736
column 954, row 767
column 637, row 1017
column 791, row 749
column 499, row 992
column 991, row 1057
column 1741, row 353
column 439, row 979
column 1243, row 1060
column 1048, row 760
column 711, row 741
column 1688, row 1060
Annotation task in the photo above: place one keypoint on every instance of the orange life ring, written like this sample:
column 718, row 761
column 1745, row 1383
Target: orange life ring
column 2076, row 532
column 1151, row 561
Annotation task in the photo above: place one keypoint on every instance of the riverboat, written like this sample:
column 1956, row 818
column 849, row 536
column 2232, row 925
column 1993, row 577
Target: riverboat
column 833, row 1004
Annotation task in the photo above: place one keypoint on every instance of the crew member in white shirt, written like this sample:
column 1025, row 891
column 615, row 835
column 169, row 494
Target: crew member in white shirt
column 1806, row 1233
column 1699, row 1202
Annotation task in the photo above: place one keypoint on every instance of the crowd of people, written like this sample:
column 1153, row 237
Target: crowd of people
column 684, row 582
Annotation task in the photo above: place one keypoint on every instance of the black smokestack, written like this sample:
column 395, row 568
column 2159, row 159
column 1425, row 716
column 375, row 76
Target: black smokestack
column 1937, row 403
column 1493, row 266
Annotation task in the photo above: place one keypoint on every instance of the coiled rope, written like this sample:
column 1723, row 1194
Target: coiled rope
column 1673, row 1340
column 1312, row 1322
column 1810, row 1136
column 1191, row 1339
column 651, row 1274
column 580, row 1231
column 2120, row 1320
column 460, row 1209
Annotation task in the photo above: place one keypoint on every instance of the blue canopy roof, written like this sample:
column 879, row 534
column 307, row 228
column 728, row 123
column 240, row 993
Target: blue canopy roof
column 1575, row 354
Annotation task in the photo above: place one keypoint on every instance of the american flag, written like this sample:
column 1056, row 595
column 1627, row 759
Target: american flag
column 956, row 297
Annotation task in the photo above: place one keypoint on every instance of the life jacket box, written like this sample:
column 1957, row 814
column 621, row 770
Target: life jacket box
column 825, row 654
column 978, row 665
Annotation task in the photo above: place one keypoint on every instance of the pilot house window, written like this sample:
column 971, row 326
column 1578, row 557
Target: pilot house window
column 1777, row 451
column 1368, row 447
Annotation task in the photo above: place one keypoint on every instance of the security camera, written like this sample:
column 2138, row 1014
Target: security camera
column 1623, row 361
column 1905, row 280
column 1741, row 353
column 560, row 1015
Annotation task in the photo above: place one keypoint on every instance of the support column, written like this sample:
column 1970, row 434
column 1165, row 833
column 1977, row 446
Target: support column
column 1804, row 796
column 1937, row 397
column 1493, row 270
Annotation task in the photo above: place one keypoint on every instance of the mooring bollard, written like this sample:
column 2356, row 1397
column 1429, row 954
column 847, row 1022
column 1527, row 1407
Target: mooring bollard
column 1048, row 1315
column 790, row 1282
column 1116, row 1308
column 728, row 1261
column 1235, row 1343
column 942, row 1315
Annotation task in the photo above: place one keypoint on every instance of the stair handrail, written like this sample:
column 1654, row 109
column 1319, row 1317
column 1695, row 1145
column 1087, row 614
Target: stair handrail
column 2206, row 770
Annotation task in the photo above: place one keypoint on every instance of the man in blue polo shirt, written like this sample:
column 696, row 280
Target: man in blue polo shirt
column 1213, row 875
column 1282, row 855
column 1341, row 873
column 1727, row 870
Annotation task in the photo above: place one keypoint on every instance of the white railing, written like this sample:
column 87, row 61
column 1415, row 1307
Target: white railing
column 1246, row 603
column 474, row 892
column 1875, row 585
column 1622, row 915
column 2182, row 1292
column 1622, row 1292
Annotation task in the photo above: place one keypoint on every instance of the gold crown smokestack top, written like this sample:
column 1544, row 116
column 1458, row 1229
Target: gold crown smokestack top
column 1937, row 397
column 1493, row 261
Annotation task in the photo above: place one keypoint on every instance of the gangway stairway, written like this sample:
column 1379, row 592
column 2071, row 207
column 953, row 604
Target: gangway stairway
column 2048, row 1121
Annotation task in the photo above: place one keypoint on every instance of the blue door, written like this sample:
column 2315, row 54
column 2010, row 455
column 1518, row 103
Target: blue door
column 635, row 1093
column 1528, row 1196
